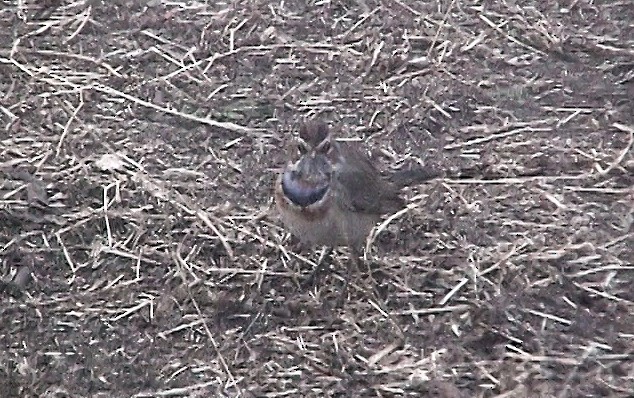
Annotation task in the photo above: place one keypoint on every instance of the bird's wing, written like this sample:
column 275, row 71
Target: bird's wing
column 361, row 187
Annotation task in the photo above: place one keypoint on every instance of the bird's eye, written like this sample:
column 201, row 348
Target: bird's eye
column 302, row 148
column 324, row 147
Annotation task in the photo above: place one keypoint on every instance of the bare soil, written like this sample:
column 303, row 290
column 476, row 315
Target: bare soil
column 141, row 256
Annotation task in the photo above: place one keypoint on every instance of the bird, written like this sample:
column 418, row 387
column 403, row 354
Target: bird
column 332, row 194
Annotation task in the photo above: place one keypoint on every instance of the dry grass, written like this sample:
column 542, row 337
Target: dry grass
column 140, row 141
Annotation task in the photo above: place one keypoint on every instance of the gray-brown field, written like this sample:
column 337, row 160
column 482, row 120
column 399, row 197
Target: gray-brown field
column 138, row 146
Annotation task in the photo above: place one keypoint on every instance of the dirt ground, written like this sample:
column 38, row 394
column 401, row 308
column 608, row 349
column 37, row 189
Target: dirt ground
column 141, row 256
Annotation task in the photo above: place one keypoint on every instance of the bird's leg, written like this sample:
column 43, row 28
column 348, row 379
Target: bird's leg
column 364, row 273
column 319, row 267
column 352, row 270
column 356, row 260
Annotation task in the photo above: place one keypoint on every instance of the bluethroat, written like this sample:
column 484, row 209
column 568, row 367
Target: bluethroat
column 333, row 195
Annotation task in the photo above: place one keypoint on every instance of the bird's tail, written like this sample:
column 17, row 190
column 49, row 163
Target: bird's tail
column 406, row 178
